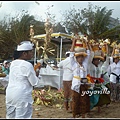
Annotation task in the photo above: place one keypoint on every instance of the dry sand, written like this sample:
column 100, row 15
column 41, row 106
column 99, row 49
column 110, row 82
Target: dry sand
column 41, row 111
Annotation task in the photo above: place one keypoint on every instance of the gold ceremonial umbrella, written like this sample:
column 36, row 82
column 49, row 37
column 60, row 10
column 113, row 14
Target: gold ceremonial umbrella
column 58, row 38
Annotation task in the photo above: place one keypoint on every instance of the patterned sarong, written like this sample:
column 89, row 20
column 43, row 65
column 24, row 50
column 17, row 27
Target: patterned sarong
column 67, row 90
column 81, row 104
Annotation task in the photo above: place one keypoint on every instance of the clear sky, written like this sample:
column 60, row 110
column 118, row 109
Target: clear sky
column 38, row 8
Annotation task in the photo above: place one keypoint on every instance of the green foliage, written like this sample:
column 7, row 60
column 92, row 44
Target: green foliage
column 16, row 29
column 92, row 21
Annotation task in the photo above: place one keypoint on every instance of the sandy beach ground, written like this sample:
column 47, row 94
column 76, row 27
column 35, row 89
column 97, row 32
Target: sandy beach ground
column 41, row 111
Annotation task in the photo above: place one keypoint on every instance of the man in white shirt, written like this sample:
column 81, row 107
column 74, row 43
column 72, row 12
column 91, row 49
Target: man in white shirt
column 22, row 78
column 114, row 72
column 67, row 81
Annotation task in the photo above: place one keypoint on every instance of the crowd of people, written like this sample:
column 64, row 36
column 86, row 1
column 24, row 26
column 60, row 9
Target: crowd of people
column 85, row 71
column 99, row 69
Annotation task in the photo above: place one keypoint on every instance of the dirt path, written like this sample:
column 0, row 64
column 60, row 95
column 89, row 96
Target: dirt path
column 113, row 111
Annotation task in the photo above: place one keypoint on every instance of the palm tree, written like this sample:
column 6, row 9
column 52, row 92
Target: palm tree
column 93, row 21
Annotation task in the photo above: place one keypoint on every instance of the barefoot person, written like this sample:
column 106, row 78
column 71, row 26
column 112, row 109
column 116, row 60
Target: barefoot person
column 114, row 72
column 97, row 73
column 79, row 61
column 22, row 78
column 67, row 81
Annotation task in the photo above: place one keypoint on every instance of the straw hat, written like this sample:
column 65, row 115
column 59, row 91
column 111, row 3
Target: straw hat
column 80, row 48
column 98, row 54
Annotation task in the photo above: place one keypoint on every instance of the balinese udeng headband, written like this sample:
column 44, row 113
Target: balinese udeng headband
column 68, row 52
column 25, row 46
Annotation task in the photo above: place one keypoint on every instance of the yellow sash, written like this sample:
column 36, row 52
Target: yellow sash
column 77, row 77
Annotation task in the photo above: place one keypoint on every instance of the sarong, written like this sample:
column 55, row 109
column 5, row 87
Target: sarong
column 67, row 90
column 100, row 99
column 81, row 104
column 104, row 98
column 115, row 91
column 94, row 98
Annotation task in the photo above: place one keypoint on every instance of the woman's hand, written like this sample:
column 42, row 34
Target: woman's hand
column 73, row 44
column 88, row 46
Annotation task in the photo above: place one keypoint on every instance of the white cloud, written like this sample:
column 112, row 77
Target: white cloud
column 15, row 7
column 12, row 8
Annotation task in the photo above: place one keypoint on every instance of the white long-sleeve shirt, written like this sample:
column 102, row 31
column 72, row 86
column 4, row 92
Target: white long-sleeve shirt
column 92, row 69
column 114, row 68
column 22, row 78
column 104, row 67
column 67, row 69
column 78, row 71
column 95, row 71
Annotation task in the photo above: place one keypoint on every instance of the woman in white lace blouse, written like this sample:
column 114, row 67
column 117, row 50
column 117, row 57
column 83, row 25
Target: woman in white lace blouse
column 79, row 62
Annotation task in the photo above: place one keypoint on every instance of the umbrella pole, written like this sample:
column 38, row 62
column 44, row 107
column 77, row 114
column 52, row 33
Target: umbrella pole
column 57, row 53
column 35, row 57
column 61, row 49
